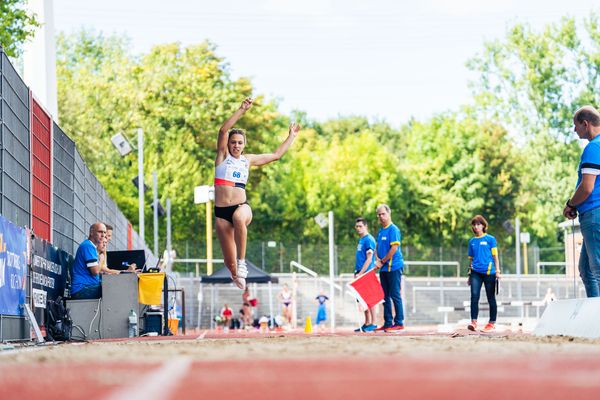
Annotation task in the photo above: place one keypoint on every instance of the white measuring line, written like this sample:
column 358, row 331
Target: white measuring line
column 156, row 385
column 202, row 335
column 16, row 349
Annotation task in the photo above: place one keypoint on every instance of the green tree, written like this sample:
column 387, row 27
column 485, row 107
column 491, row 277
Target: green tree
column 456, row 167
column 504, row 156
column 16, row 26
column 532, row 82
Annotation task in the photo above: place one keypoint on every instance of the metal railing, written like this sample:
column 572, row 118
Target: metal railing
column 430, row 264
column 197, row 260
column 294, row 264
column 441, row 289
column 540, row 267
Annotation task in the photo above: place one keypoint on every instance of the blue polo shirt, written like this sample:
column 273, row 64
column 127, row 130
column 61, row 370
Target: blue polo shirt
column 386, row 238
column 481, row 252
column 365, row 244
column 86, row 257
column 590, row 164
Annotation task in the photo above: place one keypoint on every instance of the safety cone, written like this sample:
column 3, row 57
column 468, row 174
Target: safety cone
column 308, row 325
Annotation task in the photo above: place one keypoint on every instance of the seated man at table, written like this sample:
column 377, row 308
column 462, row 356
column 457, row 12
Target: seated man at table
column 85, row 281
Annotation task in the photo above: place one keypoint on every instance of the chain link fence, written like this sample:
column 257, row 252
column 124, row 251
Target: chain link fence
column 275, row 257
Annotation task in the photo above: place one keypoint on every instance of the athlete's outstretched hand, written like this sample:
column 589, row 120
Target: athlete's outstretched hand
column 294, row 129
column 246, row 104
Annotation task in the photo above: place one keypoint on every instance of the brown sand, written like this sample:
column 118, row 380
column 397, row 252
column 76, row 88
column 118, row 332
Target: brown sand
column 297, row 347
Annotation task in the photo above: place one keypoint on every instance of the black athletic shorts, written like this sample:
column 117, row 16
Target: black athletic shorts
column 226, row 213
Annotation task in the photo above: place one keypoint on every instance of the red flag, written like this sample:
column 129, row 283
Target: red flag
column 367, row 289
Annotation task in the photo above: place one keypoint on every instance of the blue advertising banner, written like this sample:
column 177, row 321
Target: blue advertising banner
column 49, row 266
column 13, row 267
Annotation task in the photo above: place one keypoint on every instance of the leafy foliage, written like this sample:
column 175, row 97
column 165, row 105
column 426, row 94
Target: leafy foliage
column 508, row 154
column 16, row 26
column 532, row 82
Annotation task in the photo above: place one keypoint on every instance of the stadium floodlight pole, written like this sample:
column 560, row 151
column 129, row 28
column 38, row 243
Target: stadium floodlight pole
column 331, row 272
column 140, row 146
column 155, row 210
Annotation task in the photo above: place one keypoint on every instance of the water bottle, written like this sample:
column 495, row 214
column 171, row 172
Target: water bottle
column 132, row 324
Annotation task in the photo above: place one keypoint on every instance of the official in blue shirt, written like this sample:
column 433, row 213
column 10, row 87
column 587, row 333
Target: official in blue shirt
column 365, row 261
column 390, row 263
column 484, row 269
column 586, row 200
column 85, row 280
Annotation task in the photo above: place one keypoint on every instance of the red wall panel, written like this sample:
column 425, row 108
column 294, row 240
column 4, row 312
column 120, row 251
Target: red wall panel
column 129, row 237
column 41, row 174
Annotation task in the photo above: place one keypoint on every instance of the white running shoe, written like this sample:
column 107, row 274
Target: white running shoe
column 239, row 282
column 242, row 269
column 242, row 274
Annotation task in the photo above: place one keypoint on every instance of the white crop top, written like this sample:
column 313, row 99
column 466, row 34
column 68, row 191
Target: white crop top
column 232, row 172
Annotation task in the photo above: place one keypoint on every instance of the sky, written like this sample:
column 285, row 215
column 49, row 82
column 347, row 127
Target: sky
column 386, row 60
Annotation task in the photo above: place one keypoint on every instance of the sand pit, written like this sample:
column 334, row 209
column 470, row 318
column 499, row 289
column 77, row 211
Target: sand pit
column 281, row 346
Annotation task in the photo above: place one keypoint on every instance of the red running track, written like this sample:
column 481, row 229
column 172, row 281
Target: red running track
column 476, row 377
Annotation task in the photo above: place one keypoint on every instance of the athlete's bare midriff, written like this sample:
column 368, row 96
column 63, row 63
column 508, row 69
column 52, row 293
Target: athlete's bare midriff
column 226, row 196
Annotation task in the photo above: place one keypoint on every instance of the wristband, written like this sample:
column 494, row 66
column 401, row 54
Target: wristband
column 569, row 204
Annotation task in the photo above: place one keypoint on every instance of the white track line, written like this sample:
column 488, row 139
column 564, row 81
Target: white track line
column 202, row 335
column 9, row 352
column 157, row 384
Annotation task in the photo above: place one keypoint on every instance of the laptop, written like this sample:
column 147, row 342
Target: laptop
column 122, row 259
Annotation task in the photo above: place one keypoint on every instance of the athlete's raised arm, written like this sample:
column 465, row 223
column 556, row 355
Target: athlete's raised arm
column 227, row 125
column 262, row 159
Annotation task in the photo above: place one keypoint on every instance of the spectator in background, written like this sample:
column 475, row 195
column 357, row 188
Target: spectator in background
column 104, row 268
column 102, row 252
column 85, row 280
column 246, row 307
column 227, row 316
column 109, row 232
column 586, row 199
column 286, row 299
column 321, row 311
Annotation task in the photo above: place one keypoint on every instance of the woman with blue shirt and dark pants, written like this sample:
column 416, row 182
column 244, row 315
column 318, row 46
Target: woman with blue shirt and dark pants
column 484, row 269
